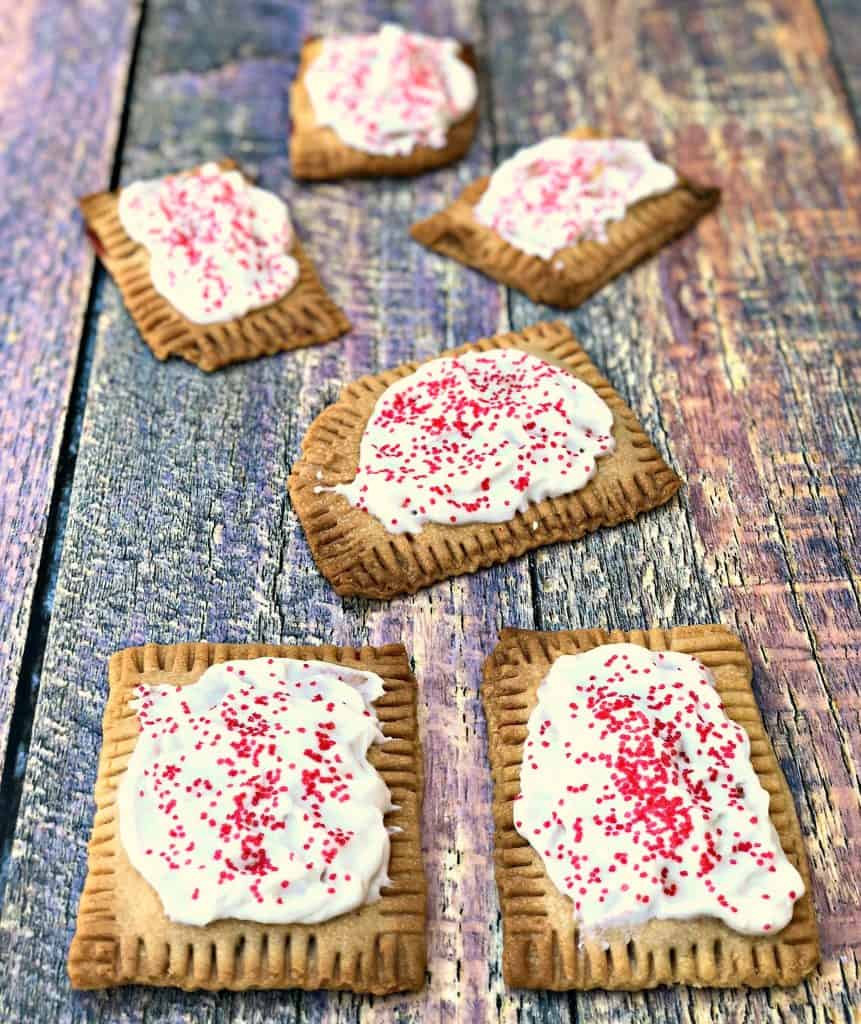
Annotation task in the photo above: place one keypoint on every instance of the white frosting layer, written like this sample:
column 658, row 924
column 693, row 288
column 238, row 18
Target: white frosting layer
column 249, row 793
column 562, row 190
column 218, row 246
column 639, row 795
column 392, row 91
column 475, row 439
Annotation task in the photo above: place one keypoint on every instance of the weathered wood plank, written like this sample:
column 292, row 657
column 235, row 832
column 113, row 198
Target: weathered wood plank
column 738, row 349
column 62, row 80
column 843, row 20
column 180, row 525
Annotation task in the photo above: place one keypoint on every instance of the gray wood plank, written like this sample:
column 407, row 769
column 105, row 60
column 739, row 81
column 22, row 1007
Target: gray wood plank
column 842, row 20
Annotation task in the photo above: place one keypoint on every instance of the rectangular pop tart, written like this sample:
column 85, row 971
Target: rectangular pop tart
column 645, row 834
column 469, row 459
column 257, row 822
column 387, row 103
column 210, row 267
column 562, row 218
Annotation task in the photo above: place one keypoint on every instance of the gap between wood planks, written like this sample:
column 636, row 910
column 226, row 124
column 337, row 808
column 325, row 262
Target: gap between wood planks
column 29, row 677
column 27, row 686
column 490, row 106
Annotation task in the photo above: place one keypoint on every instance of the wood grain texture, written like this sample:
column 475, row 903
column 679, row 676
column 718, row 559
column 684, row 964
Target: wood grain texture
column 736, row 347
column 180, row 527
column 62, row 78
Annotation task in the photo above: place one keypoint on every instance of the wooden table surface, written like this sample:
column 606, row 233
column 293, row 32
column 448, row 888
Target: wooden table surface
column 146, row 501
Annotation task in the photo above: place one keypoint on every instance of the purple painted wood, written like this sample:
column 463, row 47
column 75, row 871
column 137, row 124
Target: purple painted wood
column 180, row 525
column 745, row 374
column 62, row 78
column 738, row 348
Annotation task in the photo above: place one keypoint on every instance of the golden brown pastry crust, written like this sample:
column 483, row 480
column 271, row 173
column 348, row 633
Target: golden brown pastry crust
column 541, row 946
column 358, row 555
column 319, row 154
column 571, row 275
column 305, row 316
column 123, row 936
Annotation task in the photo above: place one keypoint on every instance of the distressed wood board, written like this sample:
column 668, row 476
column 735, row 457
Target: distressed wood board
column 737, row 348
column 62, row 84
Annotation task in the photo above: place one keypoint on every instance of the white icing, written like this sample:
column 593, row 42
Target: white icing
column 477, row 438
column 218, row 246
column 560, row 191
column 392, row 91
column 640, row 797
column 249, row 793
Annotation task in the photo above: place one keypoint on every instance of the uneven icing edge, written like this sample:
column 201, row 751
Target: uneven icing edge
column 437, row 466
column 355, row 728
column 575, row 812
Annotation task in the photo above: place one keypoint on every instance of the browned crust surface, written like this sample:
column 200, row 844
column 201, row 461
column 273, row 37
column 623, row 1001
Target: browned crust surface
column 358, row 555
column 571, row 275
column 305, row 316
column 541, row 945
column 318, row 153
column 123, row 936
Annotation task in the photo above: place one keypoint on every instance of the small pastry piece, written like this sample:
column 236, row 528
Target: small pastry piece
column 562, row 218
column 389, row 103
column 210, row 267
column 436, row 469
column 257, row 822
column 645, row 834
